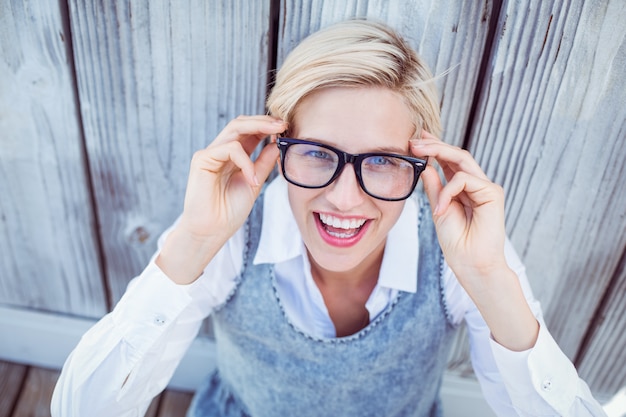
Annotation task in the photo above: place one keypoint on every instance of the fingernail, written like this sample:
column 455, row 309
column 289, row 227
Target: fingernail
column 279, row 122
column 436, row 210
column 256, row 180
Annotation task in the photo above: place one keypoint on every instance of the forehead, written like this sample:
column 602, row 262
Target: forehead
column 355, row 119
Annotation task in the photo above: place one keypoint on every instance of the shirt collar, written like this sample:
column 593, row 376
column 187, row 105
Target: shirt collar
column 281, row 240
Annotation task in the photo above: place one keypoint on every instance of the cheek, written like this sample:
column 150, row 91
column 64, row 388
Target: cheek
column 299, row 200
column 390, row 212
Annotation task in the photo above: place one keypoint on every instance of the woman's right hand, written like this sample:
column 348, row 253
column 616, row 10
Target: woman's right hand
column 222, row 187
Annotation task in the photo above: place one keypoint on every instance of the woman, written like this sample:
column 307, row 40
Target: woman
column 336, row 289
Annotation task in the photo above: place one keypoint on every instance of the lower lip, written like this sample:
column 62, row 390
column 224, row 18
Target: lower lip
column 339, row 241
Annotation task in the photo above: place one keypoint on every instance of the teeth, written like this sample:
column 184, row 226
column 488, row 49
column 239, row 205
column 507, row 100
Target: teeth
column 346, row 224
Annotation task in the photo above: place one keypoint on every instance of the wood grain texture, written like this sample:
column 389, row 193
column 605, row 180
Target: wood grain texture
column 174, row 403
column 157, row 83
column 602, row 360
column 449, row 35
column 551, row 129
column 48, row 247
column 11, row 378
column 36, row 394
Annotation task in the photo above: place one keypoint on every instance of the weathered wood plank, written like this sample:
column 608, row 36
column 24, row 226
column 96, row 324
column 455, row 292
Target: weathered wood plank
column 174, row 403
column 157, row 83
column 602, row 361
column 11, row 379
column 35, row 397
column 550, row 129
column 450, row 36
column 48, row 248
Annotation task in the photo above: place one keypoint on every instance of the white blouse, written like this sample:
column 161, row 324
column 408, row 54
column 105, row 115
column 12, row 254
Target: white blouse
column 128, row 357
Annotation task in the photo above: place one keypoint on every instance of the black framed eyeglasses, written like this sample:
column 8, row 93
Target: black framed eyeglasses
column 385, row 176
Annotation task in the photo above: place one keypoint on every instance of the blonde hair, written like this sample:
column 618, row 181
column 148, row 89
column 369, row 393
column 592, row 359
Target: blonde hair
column 357, row 53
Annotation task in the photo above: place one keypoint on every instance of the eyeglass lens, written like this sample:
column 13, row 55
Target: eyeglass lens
column 382, row 175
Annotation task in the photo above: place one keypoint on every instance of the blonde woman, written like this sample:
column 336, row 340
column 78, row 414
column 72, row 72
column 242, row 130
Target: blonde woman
column 336, row 289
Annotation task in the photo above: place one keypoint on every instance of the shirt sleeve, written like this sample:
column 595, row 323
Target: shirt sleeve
column 129, row 356
column 541, row 381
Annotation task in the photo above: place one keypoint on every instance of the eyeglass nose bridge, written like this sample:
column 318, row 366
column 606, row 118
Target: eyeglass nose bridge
column 349, row 158
column 345, row 159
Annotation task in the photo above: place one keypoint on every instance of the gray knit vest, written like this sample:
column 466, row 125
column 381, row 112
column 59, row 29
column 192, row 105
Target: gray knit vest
column 267, row 367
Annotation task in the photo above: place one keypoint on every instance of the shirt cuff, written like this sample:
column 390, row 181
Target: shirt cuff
column 538, row 380
column 148, row 308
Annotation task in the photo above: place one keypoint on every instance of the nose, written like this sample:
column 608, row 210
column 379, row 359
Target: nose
column 345, row 192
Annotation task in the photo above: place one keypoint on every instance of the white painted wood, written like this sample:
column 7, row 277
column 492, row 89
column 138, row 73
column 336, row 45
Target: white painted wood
column 462, row 397
column 156, row 84
column 48, row 248
column 551, row 130
column 604, row 358
column 36, row 338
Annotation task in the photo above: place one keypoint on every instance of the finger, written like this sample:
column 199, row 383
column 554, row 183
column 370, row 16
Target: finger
column 432, row 186
column 253, row 127
column 444, row 167
column 470, row 191
column 264, row 164
column 427, row 135
column 225, row 157
column 452, row 159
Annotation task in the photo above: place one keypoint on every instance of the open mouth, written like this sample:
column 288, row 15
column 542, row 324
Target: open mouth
column 341, row 228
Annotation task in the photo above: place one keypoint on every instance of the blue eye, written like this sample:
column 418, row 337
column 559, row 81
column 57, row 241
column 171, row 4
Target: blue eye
column 381, row 160
column 318, row 154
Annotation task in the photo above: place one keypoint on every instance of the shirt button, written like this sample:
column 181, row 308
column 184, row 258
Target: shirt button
column 546, row 385
column 159, row 320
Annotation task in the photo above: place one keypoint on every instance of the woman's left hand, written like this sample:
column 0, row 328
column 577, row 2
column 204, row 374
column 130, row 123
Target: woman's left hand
column 468, row 211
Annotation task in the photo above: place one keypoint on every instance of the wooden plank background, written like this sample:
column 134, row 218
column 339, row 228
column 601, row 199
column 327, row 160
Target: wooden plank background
column 48, row 242
column 551, row 130
column 103, row 103
column 156, row 84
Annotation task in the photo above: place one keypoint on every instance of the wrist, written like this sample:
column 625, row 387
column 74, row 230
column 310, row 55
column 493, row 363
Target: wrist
column 503, row 305
column 184, row 256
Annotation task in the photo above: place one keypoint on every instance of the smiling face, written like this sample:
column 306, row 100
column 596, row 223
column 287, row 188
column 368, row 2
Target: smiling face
column 343, row 228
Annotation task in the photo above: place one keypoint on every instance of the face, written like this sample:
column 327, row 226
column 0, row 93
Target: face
column 343, row 228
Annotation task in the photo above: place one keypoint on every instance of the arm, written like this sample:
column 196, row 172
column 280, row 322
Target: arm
column 127, row 358
column 469, row 217
column 130, row 354
column 515, row 383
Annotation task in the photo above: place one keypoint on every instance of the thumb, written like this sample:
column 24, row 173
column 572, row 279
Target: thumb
column 432, row 186
column 265, row 162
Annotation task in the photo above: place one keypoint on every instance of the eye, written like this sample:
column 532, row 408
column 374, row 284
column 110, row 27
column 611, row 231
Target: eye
column 382, row 160
column 386, row 164
column 313, row 152
column 318, row 153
